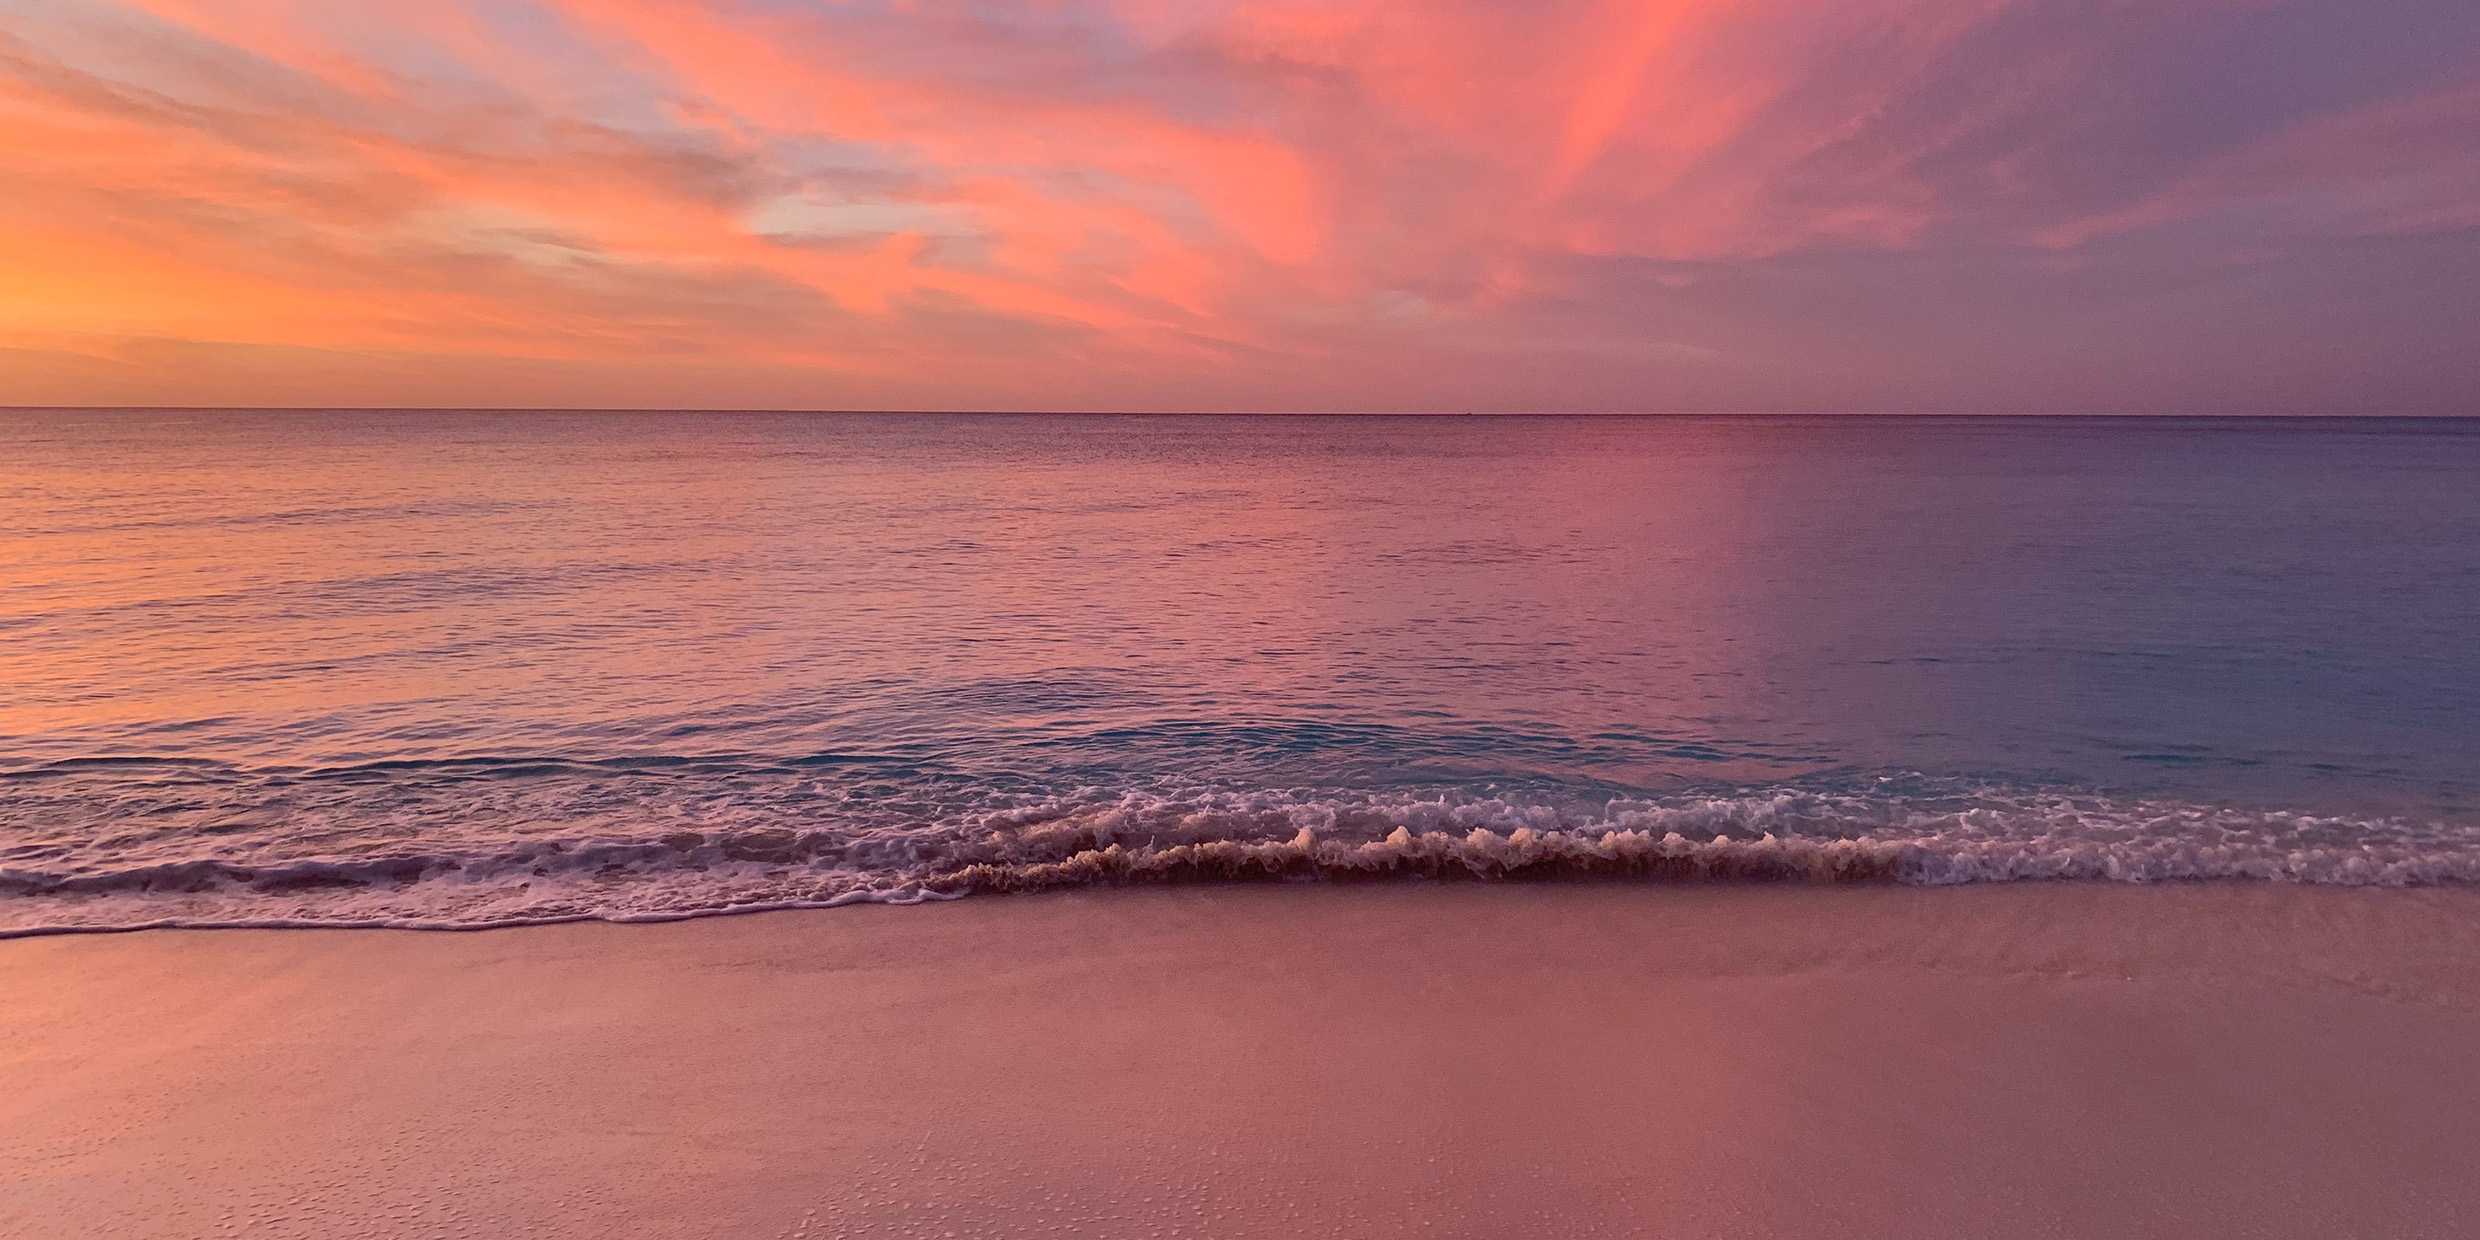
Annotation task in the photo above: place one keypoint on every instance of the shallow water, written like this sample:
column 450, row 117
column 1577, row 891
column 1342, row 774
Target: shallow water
column 471, row 668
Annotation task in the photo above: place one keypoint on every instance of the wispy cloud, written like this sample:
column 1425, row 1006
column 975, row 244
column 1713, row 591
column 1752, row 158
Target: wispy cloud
column 2210, row 204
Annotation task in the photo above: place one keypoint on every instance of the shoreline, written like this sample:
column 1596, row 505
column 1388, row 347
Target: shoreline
column 1445, row 1059
column 1276, row 880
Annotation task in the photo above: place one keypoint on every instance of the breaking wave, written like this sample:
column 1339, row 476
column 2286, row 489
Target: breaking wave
column 753, row 861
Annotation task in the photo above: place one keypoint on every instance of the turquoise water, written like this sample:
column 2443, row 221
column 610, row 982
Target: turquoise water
column 478, row 668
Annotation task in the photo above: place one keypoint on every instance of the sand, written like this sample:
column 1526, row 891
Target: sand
column 1404, row 1061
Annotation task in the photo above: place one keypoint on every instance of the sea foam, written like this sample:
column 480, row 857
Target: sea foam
column 1100, row 838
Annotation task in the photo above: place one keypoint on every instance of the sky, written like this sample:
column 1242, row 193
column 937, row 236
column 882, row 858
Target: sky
column 2108, row 206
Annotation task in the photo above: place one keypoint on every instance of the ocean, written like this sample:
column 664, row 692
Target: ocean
column 458, row 669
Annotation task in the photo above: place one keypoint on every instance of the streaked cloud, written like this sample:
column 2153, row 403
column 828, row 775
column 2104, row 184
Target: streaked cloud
column 2006, row 204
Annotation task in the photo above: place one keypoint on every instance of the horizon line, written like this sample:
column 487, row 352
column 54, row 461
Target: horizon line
column 2118, row 415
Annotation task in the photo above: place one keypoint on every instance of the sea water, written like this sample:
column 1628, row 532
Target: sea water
column 480, row 668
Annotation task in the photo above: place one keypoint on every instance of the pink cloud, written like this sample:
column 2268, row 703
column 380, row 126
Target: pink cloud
column 1285, row 203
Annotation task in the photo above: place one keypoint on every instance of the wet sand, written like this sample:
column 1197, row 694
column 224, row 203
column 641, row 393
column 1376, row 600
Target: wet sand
column 1401, row 1061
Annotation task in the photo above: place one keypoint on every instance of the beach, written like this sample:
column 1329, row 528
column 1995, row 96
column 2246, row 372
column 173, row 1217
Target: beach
column 1099, row 620
column 1412, row 1059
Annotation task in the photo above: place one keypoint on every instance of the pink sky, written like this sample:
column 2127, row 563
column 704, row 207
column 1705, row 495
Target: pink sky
column 2107, row 206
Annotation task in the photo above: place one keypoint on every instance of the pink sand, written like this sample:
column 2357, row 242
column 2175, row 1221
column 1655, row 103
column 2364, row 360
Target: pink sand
column 1408, row 1061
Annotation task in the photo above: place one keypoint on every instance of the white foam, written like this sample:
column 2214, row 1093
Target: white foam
column 1090, row 837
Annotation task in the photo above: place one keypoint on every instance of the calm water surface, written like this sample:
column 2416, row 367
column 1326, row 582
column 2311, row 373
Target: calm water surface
column 467, row 668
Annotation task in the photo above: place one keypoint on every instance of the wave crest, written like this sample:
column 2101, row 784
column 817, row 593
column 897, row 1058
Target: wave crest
column 747, row 860
column 1480, row 854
